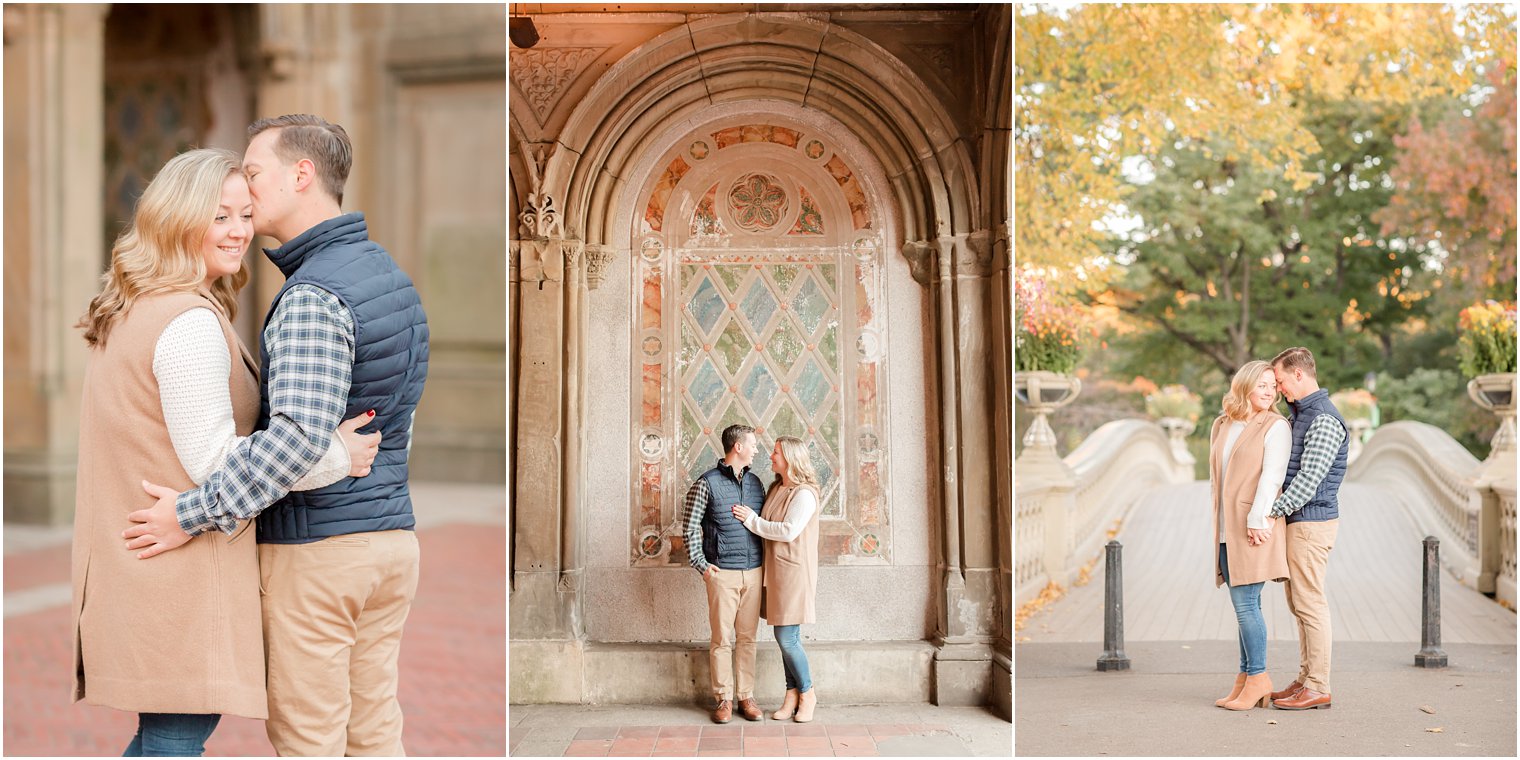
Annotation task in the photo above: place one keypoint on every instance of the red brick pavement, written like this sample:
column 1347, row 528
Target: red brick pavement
column 453, row 661
column 782, row 739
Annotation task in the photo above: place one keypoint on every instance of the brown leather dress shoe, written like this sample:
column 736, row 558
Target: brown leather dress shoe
column 1288, row 692
column 724, row 712
column 1305, row 699
column 749, row 709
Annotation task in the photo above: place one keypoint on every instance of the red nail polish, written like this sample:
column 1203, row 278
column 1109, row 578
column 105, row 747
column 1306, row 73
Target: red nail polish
column 371, row 412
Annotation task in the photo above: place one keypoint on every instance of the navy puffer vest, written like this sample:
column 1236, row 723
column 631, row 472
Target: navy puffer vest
column 390, row 365
column 725, row 541
column 1325, row 504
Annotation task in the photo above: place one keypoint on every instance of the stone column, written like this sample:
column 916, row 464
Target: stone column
column 54, row 251
column 537, row 610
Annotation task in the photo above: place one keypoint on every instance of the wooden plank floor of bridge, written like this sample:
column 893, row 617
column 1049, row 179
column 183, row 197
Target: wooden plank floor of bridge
column 1169, row 595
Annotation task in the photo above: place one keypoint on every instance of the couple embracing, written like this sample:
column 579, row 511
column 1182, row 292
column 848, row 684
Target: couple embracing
column 757, row 551
column 184, row 611
column 1273, row 484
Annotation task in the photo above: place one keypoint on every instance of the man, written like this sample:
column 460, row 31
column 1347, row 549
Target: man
column 1309, row 502
column 339, row 564
column 728, row 556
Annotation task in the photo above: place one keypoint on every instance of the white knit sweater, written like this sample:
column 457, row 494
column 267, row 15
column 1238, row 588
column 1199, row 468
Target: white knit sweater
column 192, row 363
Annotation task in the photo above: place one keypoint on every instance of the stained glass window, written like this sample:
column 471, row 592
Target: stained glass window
column 760, row 309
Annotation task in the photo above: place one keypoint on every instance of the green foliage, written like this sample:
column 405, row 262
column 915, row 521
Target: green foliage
column 1487, row 344
column 1354, row 403
column 1437, row 397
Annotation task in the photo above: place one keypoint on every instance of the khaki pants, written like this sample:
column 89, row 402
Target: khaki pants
column 1309, row 545
column 733, row 610
column 333, row 612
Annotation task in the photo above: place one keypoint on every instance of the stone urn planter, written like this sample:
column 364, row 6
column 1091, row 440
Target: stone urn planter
column 1496, row 393
column 1358, row 428
column 1177, row 430
column 1042, row 393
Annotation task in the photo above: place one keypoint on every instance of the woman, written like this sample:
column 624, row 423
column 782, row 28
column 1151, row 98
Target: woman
column 1248, row 458
column 789, row 524
column 177, row 638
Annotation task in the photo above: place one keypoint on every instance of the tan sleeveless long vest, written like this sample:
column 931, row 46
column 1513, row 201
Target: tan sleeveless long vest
column 1248, row 564
column 791, row 568
column 179, row 632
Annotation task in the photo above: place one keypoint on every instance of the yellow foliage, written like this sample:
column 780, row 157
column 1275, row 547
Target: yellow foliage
column 1051, row 592
column 1098, row 83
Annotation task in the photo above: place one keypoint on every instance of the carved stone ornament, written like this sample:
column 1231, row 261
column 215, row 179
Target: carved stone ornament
column 598, row 257
column 920, row 255
column 973, row 256
column 543, row 75
column 539, row 219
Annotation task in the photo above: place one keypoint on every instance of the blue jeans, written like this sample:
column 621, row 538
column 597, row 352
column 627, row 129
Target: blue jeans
column 1253, row 627
column 171, row 735
column 793, row 659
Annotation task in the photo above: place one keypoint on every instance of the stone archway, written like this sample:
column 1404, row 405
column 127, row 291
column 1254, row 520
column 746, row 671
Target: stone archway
column 576, row 262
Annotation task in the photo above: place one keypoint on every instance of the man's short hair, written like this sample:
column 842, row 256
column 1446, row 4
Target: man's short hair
column 732, row 435
column 1297, row 357
column 312, row 137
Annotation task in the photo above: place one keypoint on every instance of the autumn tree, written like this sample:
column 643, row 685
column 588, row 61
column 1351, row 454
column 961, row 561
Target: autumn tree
column 1456, row 190
column 1098, row 84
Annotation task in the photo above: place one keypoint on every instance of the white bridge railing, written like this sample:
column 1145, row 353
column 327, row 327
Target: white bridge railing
column 1440, row 486
column 1063, row 507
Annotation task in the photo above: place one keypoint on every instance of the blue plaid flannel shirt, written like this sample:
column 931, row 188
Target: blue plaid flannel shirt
column 310, row 339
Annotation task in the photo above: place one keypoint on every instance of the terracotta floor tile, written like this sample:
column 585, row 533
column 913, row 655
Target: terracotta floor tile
column 588, row 748
column 680, row 731
column 734, row 731
column 849, row 729
column 810, row 752
column 638, row 732
column 668, row 743
column 675, row 753
column 637, row 746
column 777, row 744
column 718, row 753
column 851, row 742
column 806, row 729
column 718, row 742
column 771, row 730
column 795, row 743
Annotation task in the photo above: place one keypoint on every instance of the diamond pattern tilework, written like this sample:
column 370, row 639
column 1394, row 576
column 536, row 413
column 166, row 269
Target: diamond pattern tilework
column 758, row 306
column 707, row 305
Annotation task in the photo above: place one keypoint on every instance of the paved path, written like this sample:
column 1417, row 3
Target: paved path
column 860, row 731
column 453, row 661
column 1169, row 594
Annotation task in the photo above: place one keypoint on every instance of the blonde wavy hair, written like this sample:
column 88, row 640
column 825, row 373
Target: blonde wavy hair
column 160, row 251
column 1236, row 404
column 798, row 464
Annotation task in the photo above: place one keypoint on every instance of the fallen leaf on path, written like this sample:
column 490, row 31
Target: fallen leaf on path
column 1427, row 709
column 1271, row 722
column 1434, row 730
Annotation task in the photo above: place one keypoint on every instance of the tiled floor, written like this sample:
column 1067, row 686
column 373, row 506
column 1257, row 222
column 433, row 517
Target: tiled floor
column 630, row 731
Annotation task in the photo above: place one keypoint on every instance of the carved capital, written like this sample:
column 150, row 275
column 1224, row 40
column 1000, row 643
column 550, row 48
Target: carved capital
column 540, row 260
column 572, row 250
column 598, row 258
column 921, row 259
column 974, row 254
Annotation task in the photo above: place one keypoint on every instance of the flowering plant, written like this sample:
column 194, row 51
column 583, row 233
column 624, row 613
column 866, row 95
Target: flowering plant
column 1356, row 404
column 1047, row 335
column 1487, row 342
column 1174, row 401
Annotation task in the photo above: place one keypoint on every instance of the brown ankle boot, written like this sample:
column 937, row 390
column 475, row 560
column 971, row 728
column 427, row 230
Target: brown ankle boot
column 1240, row 682
column 788, row 706
column 724, row 712
column 1257, row 692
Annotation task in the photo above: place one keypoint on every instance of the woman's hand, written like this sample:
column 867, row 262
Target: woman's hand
column 742, row 513
column 362, row 447
column 1258, row 537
